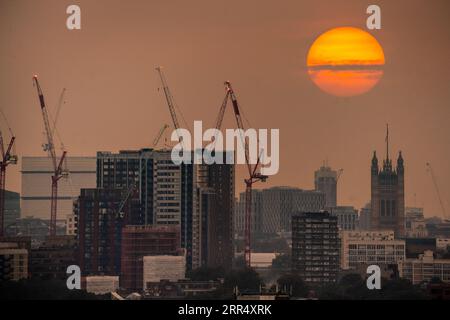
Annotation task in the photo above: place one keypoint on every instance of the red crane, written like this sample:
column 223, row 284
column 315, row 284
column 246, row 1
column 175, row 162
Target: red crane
column 253, row 175
column 58, row 172
column 7, row 158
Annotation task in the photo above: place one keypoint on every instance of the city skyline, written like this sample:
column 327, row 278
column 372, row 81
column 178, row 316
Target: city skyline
column 411, row 97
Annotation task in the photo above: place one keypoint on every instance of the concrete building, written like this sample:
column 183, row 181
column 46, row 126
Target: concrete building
column 12, row 209
column 325, row 180
column 424, row 268
column 36, row 185
column 280, row 203
column 157, row 268
column 439, row 230
column 141, row 241
column 36, row 229
column 365, row 217
column 71, row 224
column 218, row 239
column 277, row 205
column 388, row 195
column 262, row 260
column 416, row 229
column 256, row 216
column 51, row 259
column 197, row 198
column 413, row 213
column 159, row 180
column 99, row 229
column 415, row 225
column 100, row 284
column 13, row 262
column 417, row 246
column 370, row 247
column 315, row 247
column 181, row 289
column 167, row 192
column 347, row 217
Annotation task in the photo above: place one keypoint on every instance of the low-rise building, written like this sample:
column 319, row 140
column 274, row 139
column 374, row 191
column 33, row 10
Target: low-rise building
column 11, row 212
column 347, row 217
column 417, row 246
column 157, row 268
column 262, row 260
column 370, row 247
column 184, row 288
column 415, row 225
column 141, row 241
column 51, row 259
column 100, row 284
column 364, row 222
column 13, row 262
column 425, row 268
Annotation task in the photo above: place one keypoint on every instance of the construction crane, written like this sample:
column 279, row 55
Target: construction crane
column 49, row 146
column 433, row 177
column 119, row 215
column 253, row 175
column 7, row 158
column 120, row 211
column 169, row 99
column 159, row 135
column 58, row 109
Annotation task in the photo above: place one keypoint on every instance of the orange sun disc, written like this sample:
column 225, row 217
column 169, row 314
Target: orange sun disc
column 345, row 61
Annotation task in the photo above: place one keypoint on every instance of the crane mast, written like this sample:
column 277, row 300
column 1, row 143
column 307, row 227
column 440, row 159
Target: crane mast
column 159, row 135
column 433, row 177
column 119, row 215
column 169, row 98
column 57, row 166
column 7, row 158
column 253, row 175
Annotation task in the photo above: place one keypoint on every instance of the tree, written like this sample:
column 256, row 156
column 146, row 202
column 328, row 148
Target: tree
column 294, row 284
column 282, row 261
column 353, row 287
column 39, row 289
column 206, row 274
column 245, row 279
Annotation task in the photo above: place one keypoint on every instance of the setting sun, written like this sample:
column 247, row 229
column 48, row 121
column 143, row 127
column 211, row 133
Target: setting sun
column 345, row 61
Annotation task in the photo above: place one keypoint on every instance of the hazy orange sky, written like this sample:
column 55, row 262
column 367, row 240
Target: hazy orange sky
column 261, row 46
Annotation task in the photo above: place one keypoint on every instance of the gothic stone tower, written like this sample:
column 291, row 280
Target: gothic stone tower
column 388, row 194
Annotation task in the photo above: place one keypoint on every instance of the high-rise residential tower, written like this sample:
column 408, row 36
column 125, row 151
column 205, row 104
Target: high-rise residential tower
column 199, row 198
column 315, row 247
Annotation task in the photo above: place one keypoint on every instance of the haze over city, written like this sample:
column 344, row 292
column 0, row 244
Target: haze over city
column 113, row 102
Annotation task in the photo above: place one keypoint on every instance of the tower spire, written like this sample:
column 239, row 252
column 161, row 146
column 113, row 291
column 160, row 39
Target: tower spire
column 387, row 141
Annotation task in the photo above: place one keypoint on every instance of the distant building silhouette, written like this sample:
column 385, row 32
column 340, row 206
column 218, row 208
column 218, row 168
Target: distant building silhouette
column 35, row 195
column 388, row 194
column 325, row 180
column 364, row 217
column 347, row 217
column 274, row 207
